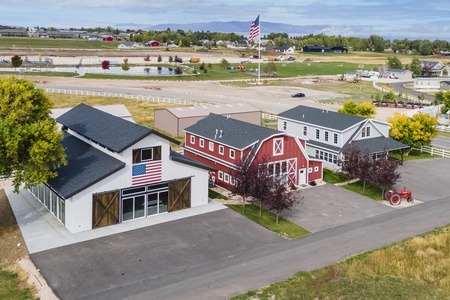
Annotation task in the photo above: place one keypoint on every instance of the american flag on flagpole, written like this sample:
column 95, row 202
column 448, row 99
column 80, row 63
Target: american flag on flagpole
column 254, row 29
column 146, row 172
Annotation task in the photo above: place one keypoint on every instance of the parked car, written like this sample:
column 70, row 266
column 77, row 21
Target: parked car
column 298, row 95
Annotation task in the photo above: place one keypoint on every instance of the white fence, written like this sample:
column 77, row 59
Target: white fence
column 435, row 151
column 404, row 96
column 126, row 96
column 141, row 97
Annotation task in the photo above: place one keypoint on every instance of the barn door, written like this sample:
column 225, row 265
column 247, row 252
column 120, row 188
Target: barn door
column 105, row 209
column 179, row 194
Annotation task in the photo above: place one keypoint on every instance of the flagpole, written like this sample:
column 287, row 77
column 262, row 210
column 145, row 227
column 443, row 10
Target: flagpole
column 259, row 51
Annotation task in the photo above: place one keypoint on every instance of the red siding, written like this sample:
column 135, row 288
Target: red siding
column 291, row 150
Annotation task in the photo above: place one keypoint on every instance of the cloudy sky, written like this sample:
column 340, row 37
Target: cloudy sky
column 391, row 19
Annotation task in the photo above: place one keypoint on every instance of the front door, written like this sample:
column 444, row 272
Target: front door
column 302, row 176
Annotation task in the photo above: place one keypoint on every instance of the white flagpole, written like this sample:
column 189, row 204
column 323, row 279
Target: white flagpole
column 259, row 51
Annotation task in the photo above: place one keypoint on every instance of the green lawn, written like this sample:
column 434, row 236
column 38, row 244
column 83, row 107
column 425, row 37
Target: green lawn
column 10, row 287
column 215, row 195
column 369, row 191
column 267, row 219
column 413, row 155
column 333, row 177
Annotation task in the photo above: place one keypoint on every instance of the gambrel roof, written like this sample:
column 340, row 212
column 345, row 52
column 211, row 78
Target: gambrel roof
column 107, row 130
column 86, row 166
column 231, row 132
column 321, row 117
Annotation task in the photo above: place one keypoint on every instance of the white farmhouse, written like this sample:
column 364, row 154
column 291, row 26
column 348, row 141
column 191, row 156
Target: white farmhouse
column 328, row 133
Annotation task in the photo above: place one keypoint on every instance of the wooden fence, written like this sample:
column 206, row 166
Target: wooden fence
column 435, row 151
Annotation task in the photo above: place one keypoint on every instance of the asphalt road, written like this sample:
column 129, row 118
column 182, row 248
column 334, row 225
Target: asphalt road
column 221, row 254
column 441, row 142
column 217, row 255
column 401, row 87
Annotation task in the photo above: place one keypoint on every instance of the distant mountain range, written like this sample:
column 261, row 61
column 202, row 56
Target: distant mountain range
column 232, row 26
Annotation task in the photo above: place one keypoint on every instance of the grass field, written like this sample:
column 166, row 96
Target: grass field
column 22, row 44
column 267, row 219
column 414, row 269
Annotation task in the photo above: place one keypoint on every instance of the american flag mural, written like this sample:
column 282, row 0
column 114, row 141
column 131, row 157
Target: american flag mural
column 146, row 172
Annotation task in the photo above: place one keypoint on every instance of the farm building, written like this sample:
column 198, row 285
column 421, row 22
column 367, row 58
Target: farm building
column 118, row 171
column 429, row 83
column 175, row 120
column 222, row 143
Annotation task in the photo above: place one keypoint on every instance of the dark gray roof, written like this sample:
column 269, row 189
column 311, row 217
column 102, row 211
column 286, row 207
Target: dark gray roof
column 86, row 166
column 378, row 144
column 320, row 117
column 175, row 156
column 105, row 129
column 229, row 131
column 323, row 145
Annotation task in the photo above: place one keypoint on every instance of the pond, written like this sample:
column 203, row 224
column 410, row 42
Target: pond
column 136, row 71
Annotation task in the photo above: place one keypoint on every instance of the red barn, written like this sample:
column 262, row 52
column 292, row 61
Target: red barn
column 153, row 44
column 221, row 142
column 108, row 39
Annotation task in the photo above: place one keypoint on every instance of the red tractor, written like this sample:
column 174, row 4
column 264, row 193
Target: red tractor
column 395, row 196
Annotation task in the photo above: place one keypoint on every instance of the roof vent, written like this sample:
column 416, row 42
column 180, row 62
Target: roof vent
column 303, row 116
column 220, row 133
column 215, row 136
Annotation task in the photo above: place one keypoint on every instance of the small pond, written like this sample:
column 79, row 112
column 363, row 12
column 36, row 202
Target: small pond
column 136, row 71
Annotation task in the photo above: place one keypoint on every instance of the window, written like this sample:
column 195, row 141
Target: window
column 309, row 170
column 232, row 153
column 192, row 140
column 305, row 130
column 278, row 146
column 232, row 181
column 335, row 139
column 211, row 146
column 365, row 132
column 316, row 169
column 284, row 125
column 326, row 136
column 226, row 177
column 221, row 150
column 202, row 143
column 220, row 175
column 317, row 153
column 146, row 154
column 317, row 134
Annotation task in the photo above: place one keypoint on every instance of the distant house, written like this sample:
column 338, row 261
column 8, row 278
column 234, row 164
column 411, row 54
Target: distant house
column 153, row 44
column 398, row 74
column 14, row 32
column 430, row 83
column 434, row 68
column 107, row 38
column 445, row 86
column 328, row 133
column 63, row 34
column 117, row 172
column 127, row 45
column 335, row 49
column 285, row 49
column 175, row 120
column 222, row 142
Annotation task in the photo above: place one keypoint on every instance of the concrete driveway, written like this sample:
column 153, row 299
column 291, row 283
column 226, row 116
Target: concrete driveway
column 427, row 178
column 329, row 206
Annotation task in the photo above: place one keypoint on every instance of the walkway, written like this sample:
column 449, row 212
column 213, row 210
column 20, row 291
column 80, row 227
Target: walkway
column 42, row 231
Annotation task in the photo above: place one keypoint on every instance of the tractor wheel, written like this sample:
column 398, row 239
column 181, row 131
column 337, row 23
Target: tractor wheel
column 386, row 194
column 395, row 199
column 410, row 200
